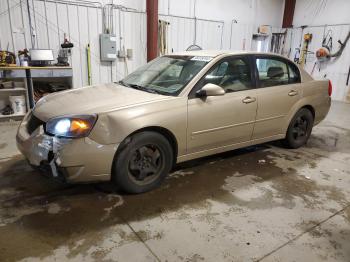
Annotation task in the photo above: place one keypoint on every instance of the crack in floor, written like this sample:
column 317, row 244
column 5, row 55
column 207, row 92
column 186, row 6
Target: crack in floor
column 303, row 233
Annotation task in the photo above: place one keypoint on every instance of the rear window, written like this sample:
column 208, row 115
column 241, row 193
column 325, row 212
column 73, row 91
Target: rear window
column 276, row 72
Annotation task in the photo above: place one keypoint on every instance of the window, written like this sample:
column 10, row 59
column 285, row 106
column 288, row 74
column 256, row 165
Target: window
column 294, row 76
column 232, row 75
column 275, row 72
column 272, row 72
column 166, row 75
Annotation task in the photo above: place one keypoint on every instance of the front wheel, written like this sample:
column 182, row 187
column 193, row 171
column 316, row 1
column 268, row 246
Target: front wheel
column 299, row 129
column 143, row 163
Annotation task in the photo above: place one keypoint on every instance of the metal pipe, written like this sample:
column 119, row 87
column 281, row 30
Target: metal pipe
column 195, row 31
column 152, row 29
column 195, row 22
column 232, row 21
column 325, row 25
column 11, row 29
column 81, row 59
column 88, row 57
column 76, row 3
column 192, row 18
column 68, row 25
column 222, row 35
column 36, row 38
column 23, row 26
column 195, row 26
column 47, row 25
column 58, row 25
column 120, row 29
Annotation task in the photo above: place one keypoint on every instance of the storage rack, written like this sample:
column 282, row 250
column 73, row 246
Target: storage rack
column 15, row 74
column 30, row 76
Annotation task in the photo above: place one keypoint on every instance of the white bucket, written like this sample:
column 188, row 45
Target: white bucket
column 18, row 104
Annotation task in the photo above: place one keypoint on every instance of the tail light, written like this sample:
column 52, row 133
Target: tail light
column 330, row 88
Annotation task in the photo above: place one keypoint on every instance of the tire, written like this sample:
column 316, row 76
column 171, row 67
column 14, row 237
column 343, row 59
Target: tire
column 299, row 129
column 143, row 163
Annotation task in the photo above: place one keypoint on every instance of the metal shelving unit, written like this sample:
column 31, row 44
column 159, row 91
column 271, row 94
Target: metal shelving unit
column 12, row 89
column 30, row 76
column 14, row 74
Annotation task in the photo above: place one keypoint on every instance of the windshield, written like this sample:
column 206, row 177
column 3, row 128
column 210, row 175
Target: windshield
column 166, row 75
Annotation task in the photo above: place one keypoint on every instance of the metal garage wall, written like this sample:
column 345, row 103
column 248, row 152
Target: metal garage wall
column 82, row 22
column 209, row 34
column 11, row 13
column 336, row 69
column 241, row 36
column 180, row 32
column 185, row 31
column 131, row 30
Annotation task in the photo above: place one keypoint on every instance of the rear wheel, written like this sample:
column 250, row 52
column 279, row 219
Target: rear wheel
column 143, row 163
column 299, row 129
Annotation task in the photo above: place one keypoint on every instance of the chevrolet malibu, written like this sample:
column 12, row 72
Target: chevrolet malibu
column 176, row 108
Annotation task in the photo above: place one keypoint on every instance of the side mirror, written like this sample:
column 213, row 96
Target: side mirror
column 210, row 90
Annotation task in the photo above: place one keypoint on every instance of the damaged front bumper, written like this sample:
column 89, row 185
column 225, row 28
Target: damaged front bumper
column 73, row 160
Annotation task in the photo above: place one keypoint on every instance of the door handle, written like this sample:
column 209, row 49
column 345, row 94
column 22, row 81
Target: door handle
column 292, row 93
column 248, row 100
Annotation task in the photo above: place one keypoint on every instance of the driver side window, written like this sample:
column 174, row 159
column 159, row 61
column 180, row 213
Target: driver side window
column 232, row 75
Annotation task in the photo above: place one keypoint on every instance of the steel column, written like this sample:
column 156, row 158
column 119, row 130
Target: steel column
column 152, row 29
column 288, row 14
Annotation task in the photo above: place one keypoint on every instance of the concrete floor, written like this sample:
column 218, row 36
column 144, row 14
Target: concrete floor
column 262, row 203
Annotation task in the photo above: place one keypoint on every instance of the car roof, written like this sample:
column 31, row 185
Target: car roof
column 215, row 53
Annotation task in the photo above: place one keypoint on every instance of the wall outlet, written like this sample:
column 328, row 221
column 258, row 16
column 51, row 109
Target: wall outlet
column 129, row 53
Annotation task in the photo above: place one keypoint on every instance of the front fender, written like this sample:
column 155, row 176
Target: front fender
column 113, row 127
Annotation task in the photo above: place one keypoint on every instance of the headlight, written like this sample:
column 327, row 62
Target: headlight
column 71, row 126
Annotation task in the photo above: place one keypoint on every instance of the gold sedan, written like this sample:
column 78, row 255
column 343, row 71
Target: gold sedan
column 176, row 108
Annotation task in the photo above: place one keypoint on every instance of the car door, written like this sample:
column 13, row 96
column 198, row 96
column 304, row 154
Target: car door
column 218, row 121
column 279, row 90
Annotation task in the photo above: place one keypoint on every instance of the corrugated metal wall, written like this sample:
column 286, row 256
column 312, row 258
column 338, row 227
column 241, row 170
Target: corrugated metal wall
column 185, row 31
column 82, row 22
column 335, row 69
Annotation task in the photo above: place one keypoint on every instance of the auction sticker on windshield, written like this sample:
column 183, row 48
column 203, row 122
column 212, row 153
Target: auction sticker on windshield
column 202, row 58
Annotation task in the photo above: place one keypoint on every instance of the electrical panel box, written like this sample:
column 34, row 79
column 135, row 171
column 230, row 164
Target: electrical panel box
column 108, row 50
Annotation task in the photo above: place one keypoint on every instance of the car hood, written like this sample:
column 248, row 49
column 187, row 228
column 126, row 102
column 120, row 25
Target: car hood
column 92, row 100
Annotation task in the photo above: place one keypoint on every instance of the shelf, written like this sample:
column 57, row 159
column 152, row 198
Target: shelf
column 33, row 67
column 12, row 89
column 13, row 115
column 256, row 35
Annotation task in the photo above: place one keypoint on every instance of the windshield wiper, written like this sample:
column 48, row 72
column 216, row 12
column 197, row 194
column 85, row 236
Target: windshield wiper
column 122, row 83
column 142, row 88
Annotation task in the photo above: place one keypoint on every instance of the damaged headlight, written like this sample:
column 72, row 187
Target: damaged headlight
column 71, row 126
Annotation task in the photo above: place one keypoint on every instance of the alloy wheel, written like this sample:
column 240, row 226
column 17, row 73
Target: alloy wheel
column 145, row 164
column 300, row 128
